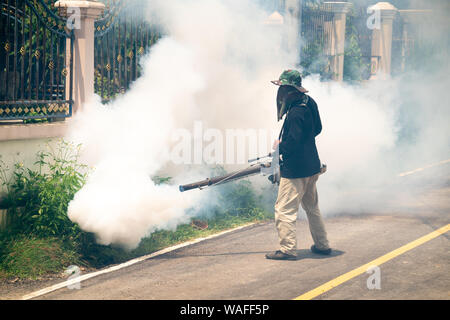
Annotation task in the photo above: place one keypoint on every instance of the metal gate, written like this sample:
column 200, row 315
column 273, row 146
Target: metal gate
column 357, row 26
column 122, row 37
column 35, row 62
column 398, row 53
column 316, row 26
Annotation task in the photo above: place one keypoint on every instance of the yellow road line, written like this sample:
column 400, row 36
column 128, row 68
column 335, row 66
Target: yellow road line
column 423, row 168
column 356, row 272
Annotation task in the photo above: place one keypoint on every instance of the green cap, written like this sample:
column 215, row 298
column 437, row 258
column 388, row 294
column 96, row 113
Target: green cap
column 290, row 78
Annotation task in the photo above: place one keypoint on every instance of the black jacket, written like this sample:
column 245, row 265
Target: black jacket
column 298, row 143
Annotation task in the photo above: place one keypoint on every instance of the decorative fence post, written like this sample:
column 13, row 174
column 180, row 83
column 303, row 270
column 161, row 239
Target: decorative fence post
column 382, row 40
column 82, row 15
column 336, row 40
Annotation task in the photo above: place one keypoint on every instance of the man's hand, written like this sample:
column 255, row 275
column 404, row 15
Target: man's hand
column 275, row 144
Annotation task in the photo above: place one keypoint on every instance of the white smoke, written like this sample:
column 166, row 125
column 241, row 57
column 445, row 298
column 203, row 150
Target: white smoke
column 214, row 65
column 126, row 143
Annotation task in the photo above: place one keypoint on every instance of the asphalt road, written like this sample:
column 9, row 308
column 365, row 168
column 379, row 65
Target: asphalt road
column 233, row 265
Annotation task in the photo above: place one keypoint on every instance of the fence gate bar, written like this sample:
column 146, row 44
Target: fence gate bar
column 122, row 37
column 358, row 21
column 33, row 61
column 316, row 27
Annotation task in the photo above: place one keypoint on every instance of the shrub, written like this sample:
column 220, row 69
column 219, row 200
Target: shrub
column 38, row 198
column 315, row 61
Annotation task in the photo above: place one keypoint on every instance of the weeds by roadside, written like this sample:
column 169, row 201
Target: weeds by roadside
column 31, row 257
column 37, row 198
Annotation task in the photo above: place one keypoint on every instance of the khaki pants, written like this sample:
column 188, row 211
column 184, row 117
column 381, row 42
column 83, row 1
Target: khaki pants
column 292, row 193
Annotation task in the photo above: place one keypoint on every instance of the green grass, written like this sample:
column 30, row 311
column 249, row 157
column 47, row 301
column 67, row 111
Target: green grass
column 163, row 239
column 29, row 257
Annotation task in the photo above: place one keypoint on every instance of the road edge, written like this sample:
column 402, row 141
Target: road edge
column 128, row 263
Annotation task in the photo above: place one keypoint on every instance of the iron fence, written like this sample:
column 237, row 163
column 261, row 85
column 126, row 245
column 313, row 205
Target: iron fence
column 316, row 27
column 400, row 46
column 357, row 26
column 122, row 36
column 34, row 62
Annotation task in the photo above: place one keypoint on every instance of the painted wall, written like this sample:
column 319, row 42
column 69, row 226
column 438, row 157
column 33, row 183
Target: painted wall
column 22, row 151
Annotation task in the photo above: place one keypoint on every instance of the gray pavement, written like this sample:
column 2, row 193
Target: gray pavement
column 233, row 265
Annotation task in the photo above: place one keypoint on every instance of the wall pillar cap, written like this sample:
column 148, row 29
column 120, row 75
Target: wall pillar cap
column 387, row 10
column 338, row 7
column 92, row 9
column 411, row 15
column 275, row 19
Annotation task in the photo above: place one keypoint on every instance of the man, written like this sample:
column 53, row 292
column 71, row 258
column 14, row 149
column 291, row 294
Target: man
column 300, row 167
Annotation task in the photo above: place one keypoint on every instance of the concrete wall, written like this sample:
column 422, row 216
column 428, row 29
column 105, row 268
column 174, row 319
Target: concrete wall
column 22, row 151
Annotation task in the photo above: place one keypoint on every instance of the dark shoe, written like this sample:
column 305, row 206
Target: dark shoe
column 319, row 251
column 279, row 255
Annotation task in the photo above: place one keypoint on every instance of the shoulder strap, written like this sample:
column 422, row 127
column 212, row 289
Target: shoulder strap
column 282, row 127
column 305, row 101
column 303, row 104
